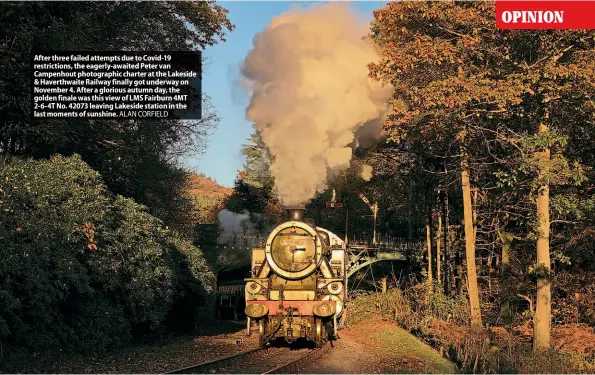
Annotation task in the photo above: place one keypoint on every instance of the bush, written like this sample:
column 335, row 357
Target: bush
column 412, row 309
column 82, row 268
column 392, row 305
column 443, row 322
column 573, row 297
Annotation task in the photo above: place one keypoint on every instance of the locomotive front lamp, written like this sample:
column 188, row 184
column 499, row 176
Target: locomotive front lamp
column 253, row 287
column 335, row 287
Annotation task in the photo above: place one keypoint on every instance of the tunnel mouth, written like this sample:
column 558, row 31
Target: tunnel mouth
column 295, row 213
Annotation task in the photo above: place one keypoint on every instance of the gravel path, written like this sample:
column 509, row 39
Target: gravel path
column 378, row 347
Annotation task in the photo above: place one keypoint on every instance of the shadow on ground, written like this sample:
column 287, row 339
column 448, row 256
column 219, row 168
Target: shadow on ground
column 297, row 344
column 214, row 327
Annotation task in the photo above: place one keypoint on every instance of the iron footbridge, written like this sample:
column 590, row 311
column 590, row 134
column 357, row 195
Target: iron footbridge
column 361, row 253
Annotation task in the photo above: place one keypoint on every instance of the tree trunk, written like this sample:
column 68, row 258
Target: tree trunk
column 411, row 206
column 543, row 306
column 430, row 232
column 438, row 257
column 506, row 239
column 215, row 296
column 474, row 210
column 472, row 286
column 429, row 242
column 458, row 267
column 447, row 269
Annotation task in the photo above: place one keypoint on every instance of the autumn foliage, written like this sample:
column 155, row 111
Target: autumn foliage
column 207, row 197
column 509, row 113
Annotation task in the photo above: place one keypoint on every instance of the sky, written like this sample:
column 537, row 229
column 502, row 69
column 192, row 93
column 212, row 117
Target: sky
column 223, row 158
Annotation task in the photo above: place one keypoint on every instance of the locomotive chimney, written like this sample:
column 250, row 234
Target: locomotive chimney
column 295, row 213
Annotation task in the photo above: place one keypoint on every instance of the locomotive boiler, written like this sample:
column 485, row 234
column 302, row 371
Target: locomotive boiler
column 297, row 286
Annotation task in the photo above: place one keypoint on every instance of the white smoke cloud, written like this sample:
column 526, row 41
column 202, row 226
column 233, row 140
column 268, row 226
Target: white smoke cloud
column 311, row 95
column 233, row 225
column 366, row 172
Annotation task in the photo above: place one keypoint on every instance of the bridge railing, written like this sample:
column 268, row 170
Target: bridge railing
column 389, row 243
column 383, row 243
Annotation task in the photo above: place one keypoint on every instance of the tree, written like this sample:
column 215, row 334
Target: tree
column 254, row 188
column 460, row 83
column 208, row 198
column 138, row 159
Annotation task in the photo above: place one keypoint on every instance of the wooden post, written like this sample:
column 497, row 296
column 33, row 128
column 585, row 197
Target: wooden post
column 383, row 281
column 375, row 212
column 346, row 225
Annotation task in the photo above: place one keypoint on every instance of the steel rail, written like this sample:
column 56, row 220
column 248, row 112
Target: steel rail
column 185, row 370
column 290, row 366
column 252, row 362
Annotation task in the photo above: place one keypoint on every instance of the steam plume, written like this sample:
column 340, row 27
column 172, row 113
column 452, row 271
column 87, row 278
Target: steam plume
column 311, row 95
column 234, row 225
column 366, row 172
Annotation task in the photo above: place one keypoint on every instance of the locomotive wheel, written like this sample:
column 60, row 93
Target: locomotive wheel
column 262, row 329
column 318, row 332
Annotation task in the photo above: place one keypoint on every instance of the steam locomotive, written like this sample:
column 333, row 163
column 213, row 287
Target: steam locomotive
column 298, row 283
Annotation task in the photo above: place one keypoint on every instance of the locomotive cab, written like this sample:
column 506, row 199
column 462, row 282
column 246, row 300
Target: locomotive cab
column 297, row 284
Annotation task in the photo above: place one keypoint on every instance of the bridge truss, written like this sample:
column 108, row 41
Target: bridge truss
column 361, row 255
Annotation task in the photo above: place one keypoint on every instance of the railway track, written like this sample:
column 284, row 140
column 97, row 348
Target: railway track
column 268, row 360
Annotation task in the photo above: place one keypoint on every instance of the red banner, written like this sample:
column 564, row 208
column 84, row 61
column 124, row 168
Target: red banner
column 511, row 14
